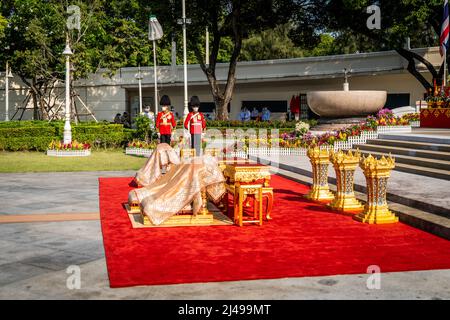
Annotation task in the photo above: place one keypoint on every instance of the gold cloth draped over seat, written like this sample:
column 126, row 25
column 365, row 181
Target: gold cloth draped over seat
column 162, row 157
column 179, row 187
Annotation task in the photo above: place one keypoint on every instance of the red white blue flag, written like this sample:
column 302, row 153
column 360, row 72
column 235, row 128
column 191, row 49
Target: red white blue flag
column 445, row 29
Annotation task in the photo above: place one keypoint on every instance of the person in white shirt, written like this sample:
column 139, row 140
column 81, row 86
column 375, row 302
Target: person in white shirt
column 149, row 114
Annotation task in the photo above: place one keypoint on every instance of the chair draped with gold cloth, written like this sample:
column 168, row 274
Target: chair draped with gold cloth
column 179, row 187
column 161, row 159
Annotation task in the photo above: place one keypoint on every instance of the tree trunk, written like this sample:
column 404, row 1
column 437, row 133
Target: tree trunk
column 35, row 103
column 222, row 99
column 437, row 75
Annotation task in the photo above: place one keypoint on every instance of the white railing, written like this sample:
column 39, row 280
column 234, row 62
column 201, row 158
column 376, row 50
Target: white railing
column 139, row 152
column 415, row 124
column 393, row 129
column 265, row 151
column 68, row 153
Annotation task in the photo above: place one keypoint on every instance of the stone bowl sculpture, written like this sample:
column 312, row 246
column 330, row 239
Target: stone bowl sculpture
column 346, row 104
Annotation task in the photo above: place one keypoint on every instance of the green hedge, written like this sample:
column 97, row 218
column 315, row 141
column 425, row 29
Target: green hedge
column 36, row 135
column 27, row 132
column 26, row 143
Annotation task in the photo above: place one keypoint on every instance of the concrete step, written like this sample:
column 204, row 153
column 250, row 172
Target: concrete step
column 415, row 161
column 395, row 150
column 417, row 218
column 397, row 198
column 411, row 144
column 422, row 171
column 416, row 138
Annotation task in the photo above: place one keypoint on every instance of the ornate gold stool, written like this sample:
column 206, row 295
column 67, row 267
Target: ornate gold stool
column 320, row 160
column 377, row 173
column 214, row 152
column 187, row 153
column 345, row 165
column 243, row 191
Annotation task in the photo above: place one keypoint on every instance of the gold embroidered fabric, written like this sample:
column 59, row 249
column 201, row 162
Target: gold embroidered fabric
column 180, row 187
column 163, row 156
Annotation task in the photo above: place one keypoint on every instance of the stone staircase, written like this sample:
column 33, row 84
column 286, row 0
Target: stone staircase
column 421, row 155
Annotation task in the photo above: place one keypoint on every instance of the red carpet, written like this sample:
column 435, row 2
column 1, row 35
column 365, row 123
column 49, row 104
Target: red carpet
column 304, row 239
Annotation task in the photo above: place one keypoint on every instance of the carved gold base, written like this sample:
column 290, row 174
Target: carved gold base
column 346, row 204
column 132, row 209
column 182, row 220
column 322, row 194
column 376, row 215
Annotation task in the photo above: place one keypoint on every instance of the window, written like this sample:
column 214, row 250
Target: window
column 396, row 100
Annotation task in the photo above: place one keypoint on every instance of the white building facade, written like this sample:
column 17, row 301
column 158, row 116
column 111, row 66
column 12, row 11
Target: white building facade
column 262, row 83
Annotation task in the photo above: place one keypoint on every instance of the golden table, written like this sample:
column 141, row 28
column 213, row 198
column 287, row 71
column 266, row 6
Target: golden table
column 239, row 172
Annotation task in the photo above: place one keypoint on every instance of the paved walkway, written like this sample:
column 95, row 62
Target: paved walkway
column 54, row 192
column 35, row 256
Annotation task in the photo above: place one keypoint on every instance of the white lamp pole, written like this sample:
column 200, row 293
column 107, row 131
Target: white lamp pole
column 8, row 75
column 183, row 21
column 139, row 77
column 67, row 129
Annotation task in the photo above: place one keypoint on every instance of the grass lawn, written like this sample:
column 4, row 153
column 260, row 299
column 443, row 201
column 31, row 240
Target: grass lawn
column 40, row 162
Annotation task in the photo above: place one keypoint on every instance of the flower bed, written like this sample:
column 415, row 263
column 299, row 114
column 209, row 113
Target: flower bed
column 140, row 148
column 73, row 149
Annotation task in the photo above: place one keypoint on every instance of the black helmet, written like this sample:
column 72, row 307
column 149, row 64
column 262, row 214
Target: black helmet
column 165, row 100
column 195, row 101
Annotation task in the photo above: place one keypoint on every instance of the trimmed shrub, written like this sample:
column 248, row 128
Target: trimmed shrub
column 25, row 143
column 27, row 132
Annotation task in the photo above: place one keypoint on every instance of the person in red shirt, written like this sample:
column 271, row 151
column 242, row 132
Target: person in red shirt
column 196, row 124
column 165, row 122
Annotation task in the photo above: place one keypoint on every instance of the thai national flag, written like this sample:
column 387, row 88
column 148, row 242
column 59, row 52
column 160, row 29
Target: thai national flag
column 444, row 30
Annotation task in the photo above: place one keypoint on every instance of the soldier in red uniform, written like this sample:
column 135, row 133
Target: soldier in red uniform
column 165, row 122
column 196, row 124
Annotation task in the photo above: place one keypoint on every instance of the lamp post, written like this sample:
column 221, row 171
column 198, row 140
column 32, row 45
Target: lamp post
column 67, row 129
column 183, row 21
column 8, row 75
column 139, row 78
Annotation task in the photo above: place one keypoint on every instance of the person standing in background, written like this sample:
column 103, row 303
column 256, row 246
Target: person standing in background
column 247, row 115
column 196, row 124
column 165, row 122
column 265, row 114
column 150, row 115
column 125, row 120
column 254, row 114
column 118, row 119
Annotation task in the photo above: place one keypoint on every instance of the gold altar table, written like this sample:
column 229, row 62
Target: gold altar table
column 239, row 172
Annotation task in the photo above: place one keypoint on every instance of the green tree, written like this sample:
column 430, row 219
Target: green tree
column 420, row 20
column 3, row 24
column 270, row 44
column 229, row 23
column 110, row 37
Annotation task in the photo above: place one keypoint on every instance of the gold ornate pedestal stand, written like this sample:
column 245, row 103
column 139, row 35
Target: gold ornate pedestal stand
column 377, row 172
column 345, row 165
column 320, row 190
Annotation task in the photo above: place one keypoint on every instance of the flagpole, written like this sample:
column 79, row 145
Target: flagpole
column 445, row 67
column 156, row 80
